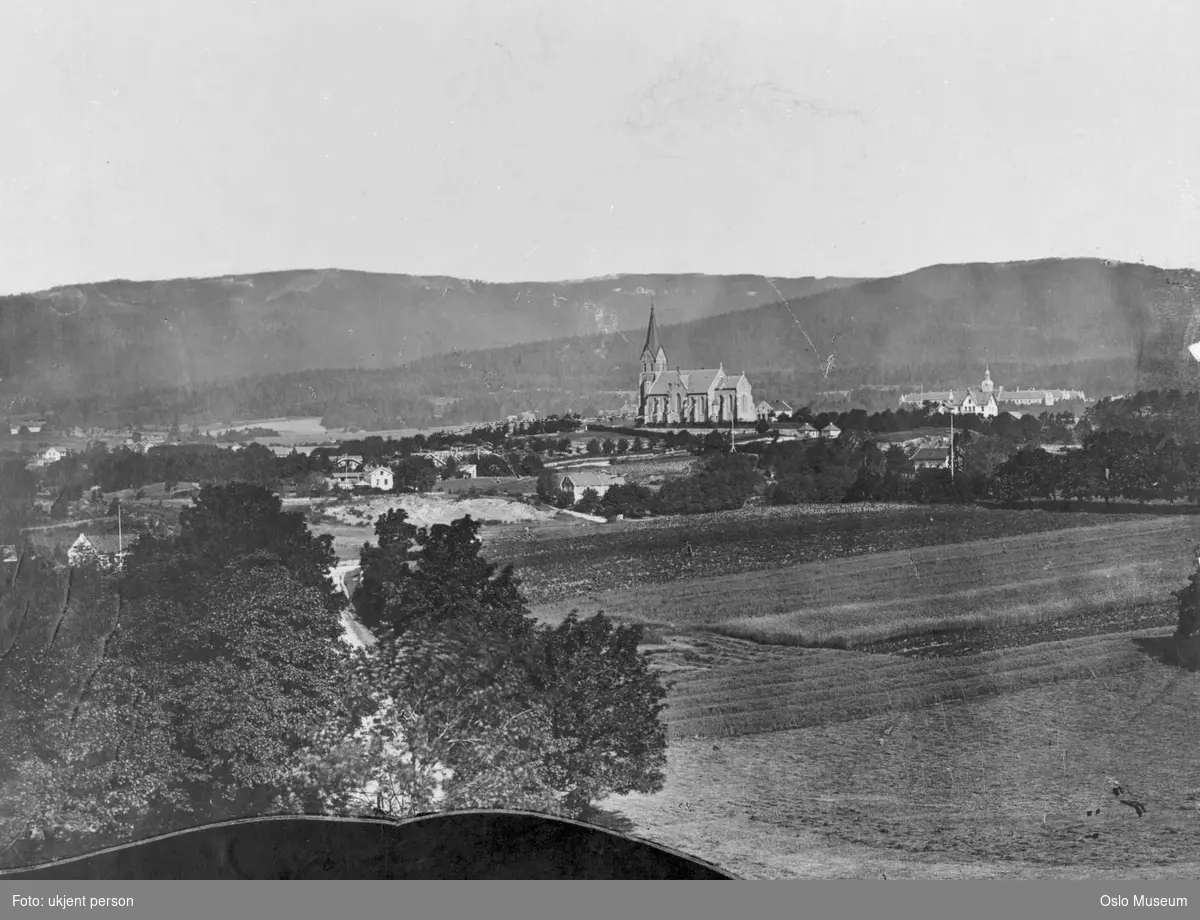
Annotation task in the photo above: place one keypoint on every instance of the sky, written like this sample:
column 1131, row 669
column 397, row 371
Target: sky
column 559, row 139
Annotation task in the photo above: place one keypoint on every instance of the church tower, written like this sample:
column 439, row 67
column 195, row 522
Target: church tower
column 986, row 386
column 654, row 361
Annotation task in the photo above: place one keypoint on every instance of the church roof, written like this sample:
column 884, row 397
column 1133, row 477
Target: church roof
column 702, row 379
column 652, row 344
column 693, row 381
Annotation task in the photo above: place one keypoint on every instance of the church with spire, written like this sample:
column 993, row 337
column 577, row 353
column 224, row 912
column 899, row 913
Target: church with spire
column 675, row 396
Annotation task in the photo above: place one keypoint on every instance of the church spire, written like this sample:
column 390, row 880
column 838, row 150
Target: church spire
column 652, row 345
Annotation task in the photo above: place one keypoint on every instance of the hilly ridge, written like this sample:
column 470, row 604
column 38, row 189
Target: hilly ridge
column 1023, row 316
column 1057, row 322
column 306, row 343
column 113, row 338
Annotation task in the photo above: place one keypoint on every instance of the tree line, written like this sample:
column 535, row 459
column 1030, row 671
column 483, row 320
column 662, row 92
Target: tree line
column 208, row 680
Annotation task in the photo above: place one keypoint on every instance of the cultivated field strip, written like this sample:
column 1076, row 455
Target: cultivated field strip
column 726, row 694
column 631, row 554
column 856, row 600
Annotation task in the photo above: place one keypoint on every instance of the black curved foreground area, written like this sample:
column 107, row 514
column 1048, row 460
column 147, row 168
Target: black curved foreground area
column 467, row 845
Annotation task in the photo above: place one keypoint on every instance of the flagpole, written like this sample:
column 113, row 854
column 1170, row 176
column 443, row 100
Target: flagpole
column 952, row 445
column 120, row 538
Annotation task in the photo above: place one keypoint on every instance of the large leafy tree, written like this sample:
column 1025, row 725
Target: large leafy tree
column 452, row 719
column 224, row 523
column 436, row 575
column 604, row 705
column 471, row 703
column 246, row 671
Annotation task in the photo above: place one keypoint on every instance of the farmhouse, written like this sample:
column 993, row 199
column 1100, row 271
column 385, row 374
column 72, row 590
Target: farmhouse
column 830, row 432
column 576, row 483
column 931, row 458
column 680, row 396
column 33, row 427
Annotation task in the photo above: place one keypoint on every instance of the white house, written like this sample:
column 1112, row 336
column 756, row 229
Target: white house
column 931, row 458
column 830, row 432
column 771, row 410
column 379, row 477
column 577, row 482
column 52, row 454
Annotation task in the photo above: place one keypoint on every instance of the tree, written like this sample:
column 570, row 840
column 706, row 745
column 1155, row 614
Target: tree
column 414, row 474
column 589, row 502
column 381, row 565
column 434, row 575
column 194, row 712
column 226, row 522
column 629, row 499
column 545, row 485
column 605, row 704
column 593, row 446
column 623, row 446
column 451, row 720
column 244, row 672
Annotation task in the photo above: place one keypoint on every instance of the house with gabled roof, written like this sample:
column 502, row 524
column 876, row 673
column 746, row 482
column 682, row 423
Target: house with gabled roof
column 830, row 432
column 771, row 410
column 102, row 550
column 931, row 458
column 575, row 483
column 692, row 395
column 379, row 477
